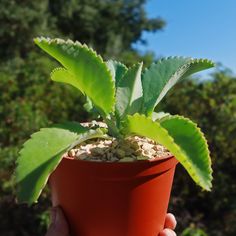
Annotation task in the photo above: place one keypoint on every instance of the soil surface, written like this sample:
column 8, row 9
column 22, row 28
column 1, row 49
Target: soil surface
column 111, row 150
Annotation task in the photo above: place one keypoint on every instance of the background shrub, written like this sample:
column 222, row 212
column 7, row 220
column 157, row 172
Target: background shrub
column 29, row 100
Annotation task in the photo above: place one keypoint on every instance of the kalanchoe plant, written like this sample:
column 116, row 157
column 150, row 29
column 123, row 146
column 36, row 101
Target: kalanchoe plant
column 125, row 99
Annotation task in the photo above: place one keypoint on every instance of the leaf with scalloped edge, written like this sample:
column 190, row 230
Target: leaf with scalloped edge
column 182, row 138
column 42, row 153
column 161, row 76
column 129, row 92
column 84, row 69
column 117, row 70
column 191, row 140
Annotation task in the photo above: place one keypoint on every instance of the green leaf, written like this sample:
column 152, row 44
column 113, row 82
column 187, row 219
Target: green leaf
column 192, row 142
column 88, row 106
column 182, row 138
column 129, row 92
column 117, row 70
column 158, row 116
column 84, row 69
column 161, row 76
column 64, row 76
column 42, row 153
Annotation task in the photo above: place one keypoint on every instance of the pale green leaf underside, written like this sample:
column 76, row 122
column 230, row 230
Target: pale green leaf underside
column 197, row 164
column 64, row 76
column 88, row 106
column 129, row 92
column 42, row 153
column 117, row 70
column 161, row 76
column 158, row 116
column 85, row 70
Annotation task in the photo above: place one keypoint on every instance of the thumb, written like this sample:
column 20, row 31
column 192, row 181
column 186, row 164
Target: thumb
column 59, row 226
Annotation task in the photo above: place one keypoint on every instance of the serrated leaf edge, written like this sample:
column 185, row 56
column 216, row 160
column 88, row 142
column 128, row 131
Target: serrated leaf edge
column 191, row 61
column 181, row 69
column 93, row 134
column 117, row 62
column 185, row 163
column 32, row 137
column 91, row 51
column 205, row 143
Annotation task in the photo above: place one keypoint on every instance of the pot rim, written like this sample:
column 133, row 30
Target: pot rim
column 160, row 159
column 119, row 170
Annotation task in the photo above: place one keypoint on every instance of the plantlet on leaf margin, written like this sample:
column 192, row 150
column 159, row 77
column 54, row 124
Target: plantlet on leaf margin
column 125, row 98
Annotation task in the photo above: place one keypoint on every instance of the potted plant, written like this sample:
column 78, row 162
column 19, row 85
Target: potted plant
column 114, row 177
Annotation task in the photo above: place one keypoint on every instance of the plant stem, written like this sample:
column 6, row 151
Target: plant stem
column 112, row 128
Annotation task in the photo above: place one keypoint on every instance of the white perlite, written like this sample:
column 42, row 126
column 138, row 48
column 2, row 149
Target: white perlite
column 131, row 149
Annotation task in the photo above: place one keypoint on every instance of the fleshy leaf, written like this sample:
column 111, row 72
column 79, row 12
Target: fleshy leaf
column 191, row 140
column 159, row 115
column 117, row 70
column 129, row 92
column 88, row 106
column 185, row 142
column 60, row 75
column 84, row 69
column 42, row 153
column 64, row 76
column 161, row 76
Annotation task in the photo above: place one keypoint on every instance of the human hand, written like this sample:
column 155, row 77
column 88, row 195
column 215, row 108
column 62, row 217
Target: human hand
column 59, row 226
column 170, row 224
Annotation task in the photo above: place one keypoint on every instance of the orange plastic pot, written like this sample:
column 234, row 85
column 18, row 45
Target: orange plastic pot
column 113, row 199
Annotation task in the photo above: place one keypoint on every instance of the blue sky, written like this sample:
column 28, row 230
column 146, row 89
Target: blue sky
column 202, row 28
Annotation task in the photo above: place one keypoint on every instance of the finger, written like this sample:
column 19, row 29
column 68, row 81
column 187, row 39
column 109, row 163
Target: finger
column 170, row 221
column 59, row 226
column 167, row 232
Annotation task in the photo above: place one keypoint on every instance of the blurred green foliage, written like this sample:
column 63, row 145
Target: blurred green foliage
column 212, row 104
column 192, row 231
column 109, row 26
column 29, row 100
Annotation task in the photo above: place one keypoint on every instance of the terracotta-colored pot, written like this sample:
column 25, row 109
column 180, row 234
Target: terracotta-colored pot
column 113, row 199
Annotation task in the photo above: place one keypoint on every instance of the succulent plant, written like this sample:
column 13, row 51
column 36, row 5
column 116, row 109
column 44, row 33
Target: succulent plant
column 125, row 99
